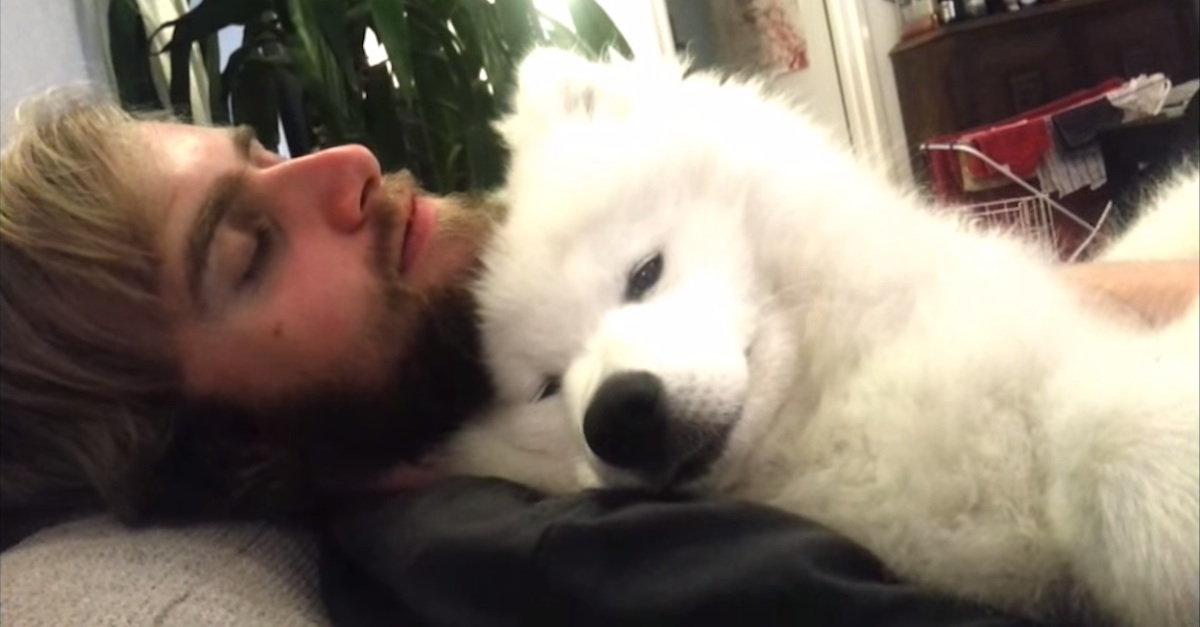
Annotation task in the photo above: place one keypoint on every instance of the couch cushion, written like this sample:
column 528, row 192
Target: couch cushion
column 97, row 573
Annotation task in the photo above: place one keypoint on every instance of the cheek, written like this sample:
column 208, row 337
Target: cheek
column 315, row 321
column 325, row 303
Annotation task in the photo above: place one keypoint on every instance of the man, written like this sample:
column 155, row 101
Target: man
column 192, row 326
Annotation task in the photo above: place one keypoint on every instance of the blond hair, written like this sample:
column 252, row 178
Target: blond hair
column 87, row 381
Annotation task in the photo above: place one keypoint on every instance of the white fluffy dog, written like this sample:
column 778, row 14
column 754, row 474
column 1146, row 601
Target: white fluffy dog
column 695, row 289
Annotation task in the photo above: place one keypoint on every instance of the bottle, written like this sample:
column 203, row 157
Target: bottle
column 948, row 12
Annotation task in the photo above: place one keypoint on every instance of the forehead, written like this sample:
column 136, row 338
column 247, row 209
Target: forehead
column 178, row 165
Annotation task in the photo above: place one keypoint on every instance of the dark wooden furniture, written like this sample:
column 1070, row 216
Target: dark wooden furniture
column 984, row 70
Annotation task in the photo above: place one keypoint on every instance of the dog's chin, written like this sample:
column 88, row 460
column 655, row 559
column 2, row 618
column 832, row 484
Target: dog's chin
column 616, row 479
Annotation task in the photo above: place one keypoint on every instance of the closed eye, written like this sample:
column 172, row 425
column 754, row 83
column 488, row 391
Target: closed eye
column 263, row 249
column 549, row 387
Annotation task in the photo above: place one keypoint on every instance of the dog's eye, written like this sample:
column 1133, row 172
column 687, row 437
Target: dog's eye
column 643, row 278
column 549, row 388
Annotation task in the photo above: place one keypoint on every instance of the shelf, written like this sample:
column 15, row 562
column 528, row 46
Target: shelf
column 1000, row 19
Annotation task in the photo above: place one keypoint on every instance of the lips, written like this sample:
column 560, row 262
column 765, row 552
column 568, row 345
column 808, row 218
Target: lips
column 418, row 232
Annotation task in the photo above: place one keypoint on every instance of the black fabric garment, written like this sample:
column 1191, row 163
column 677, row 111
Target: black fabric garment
column 483, row 553
column 1077, row 127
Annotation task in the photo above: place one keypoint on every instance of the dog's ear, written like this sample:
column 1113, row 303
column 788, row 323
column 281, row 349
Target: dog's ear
column 556, row 85
column 553, row 86
column 553, row 83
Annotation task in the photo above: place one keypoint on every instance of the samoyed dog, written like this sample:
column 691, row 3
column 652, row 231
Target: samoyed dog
column 695, row 289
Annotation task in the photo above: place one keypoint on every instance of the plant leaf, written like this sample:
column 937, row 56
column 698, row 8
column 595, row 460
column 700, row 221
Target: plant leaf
column 391, row 27
column 478, row 22
column 330, row 18
column 596, row 29
column 254, row 100
column 293, row 116
column 211, row 16
column 319, row 71
column 129, row 50
column 205, row 19
column 439, row 97
column 467, row 36
column 210, row 50
column 233, row 66
column 518, row 25
column 385, row 132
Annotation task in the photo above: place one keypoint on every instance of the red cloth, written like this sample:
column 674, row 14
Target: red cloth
column 945, row 175
column 1019, row 142
column 1020, row 146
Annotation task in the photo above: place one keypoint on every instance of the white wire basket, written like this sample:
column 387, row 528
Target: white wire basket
column 1032, row 215
column 1029, row 217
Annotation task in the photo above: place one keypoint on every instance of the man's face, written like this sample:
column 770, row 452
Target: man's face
column 314, row 285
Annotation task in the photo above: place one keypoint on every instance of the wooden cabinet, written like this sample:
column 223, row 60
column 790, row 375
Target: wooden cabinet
column 984, row 70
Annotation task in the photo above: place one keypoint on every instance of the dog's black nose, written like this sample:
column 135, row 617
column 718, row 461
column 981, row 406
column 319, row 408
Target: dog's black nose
column 628, row 425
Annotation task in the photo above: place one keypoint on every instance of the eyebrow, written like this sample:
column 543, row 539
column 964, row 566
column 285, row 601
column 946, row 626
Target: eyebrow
column 217, row 203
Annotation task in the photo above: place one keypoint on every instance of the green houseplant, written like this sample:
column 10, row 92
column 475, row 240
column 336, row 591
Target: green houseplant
column 302, row 66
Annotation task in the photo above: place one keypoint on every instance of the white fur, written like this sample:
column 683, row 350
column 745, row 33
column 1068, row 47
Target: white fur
column 1169, row 236
column 932, row 392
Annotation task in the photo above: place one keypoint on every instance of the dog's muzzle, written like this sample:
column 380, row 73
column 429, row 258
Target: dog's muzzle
column 629, row 425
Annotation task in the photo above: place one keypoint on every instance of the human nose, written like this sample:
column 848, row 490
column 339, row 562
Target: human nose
column 334, row 184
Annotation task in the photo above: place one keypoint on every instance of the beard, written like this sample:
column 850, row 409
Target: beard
column 340, row 434
column 348, row 435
